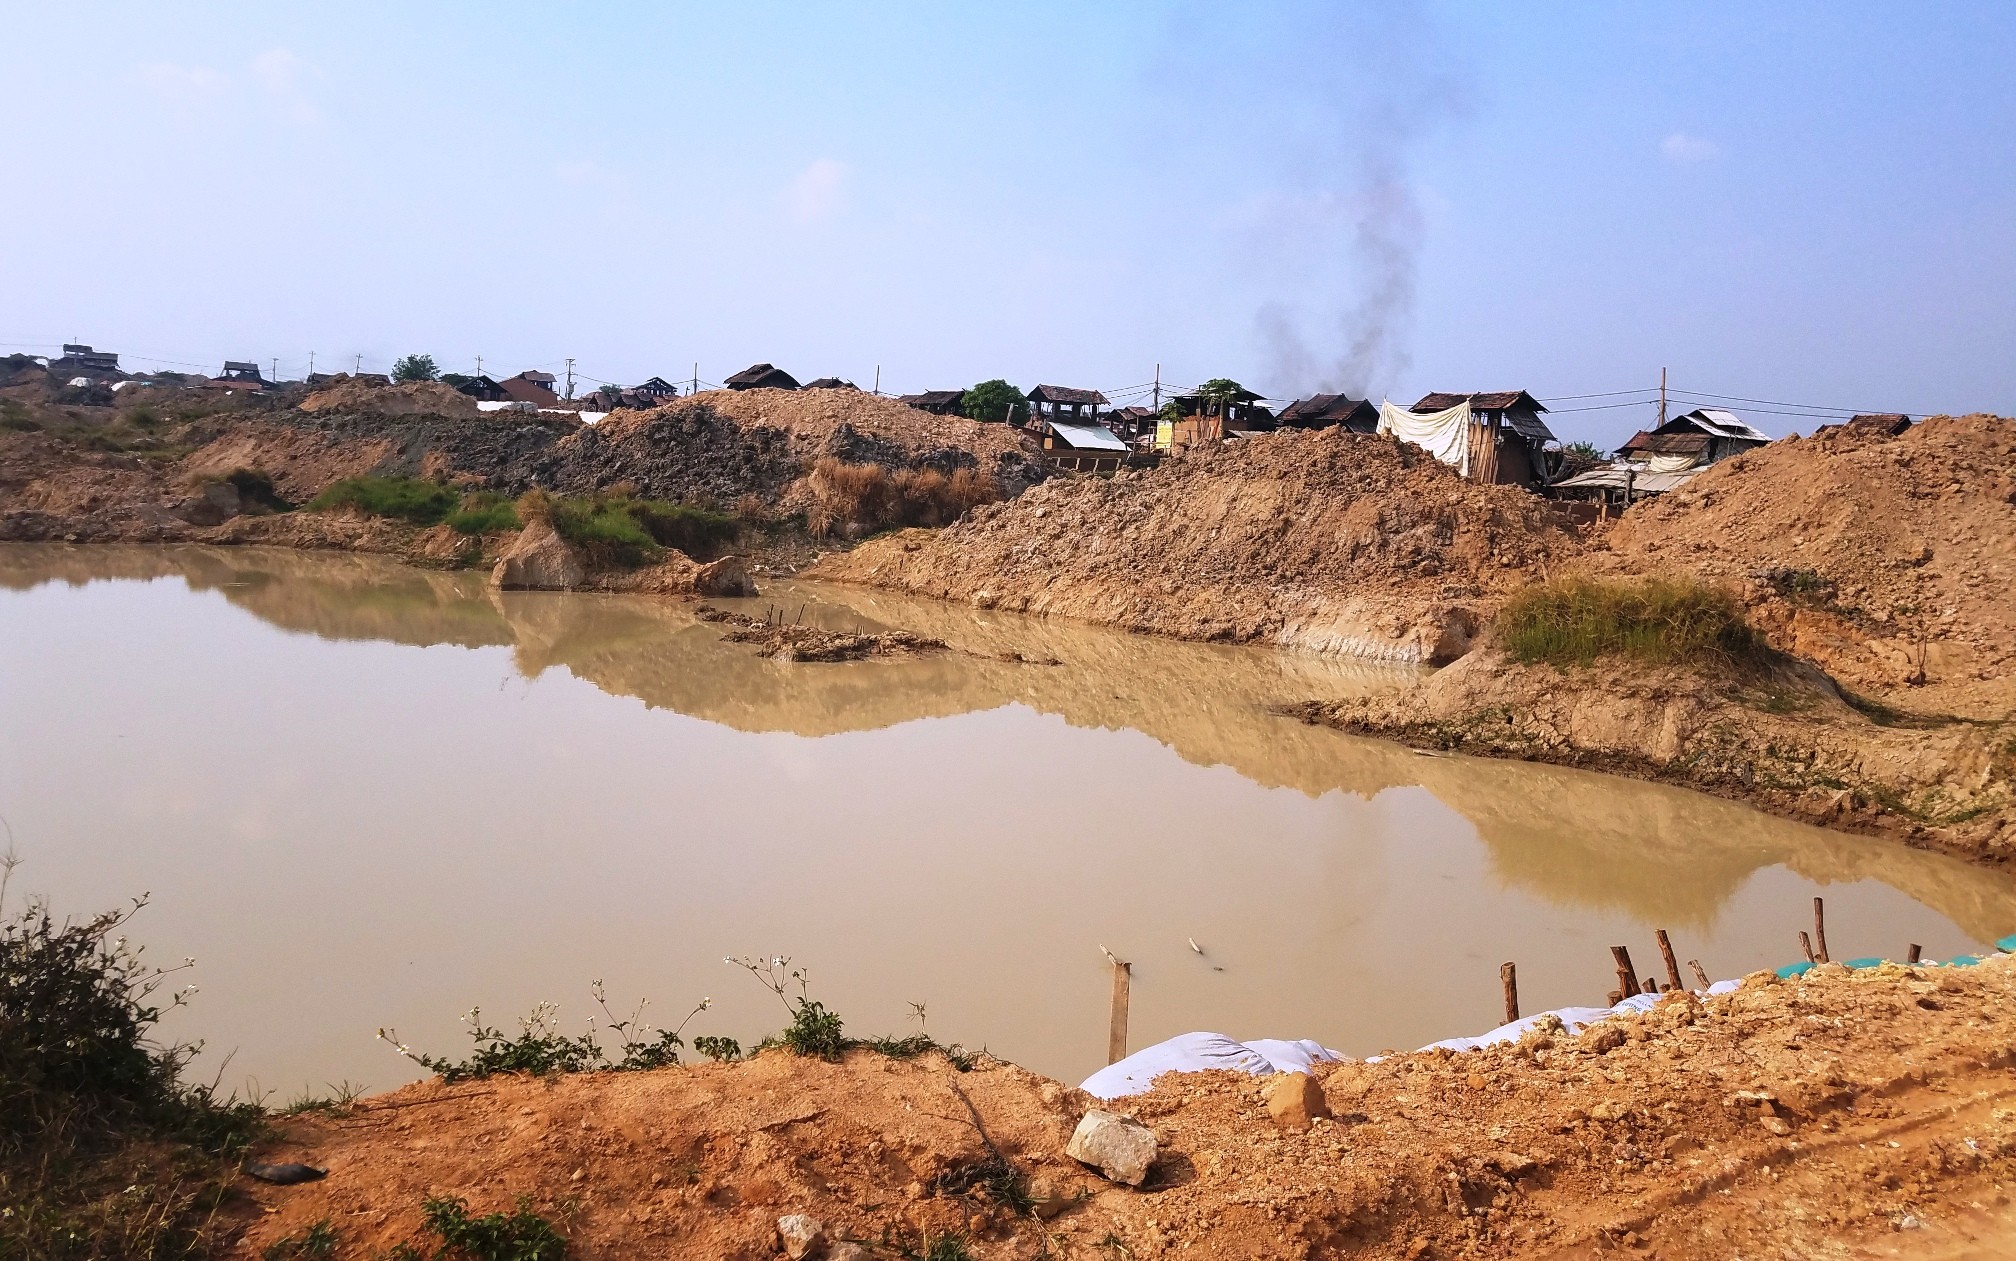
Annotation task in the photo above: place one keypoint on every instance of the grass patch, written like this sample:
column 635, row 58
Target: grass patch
column 875, row 497
column 319, row 1240
column 620, row 530
column 401, row 498
column 104, row 1150
column 484, row 512
column 1574, row 621
column 518, row 1236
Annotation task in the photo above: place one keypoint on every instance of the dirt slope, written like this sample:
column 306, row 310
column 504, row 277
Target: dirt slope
column 1331, row 541
column 1845, row 1114
column 1895, row 556
column 1782, row 739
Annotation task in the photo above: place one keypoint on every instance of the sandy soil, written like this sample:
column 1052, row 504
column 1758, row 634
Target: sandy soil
column 1847, row 1114
column 1330, row 541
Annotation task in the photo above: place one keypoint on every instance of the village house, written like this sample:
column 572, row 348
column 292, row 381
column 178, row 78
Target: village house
column 531, row 386
column 1706, row 434
column 1131, row 422
column 1324, row 411
column 830, row 383
column 1204, row 416
column 238, row 376
column 937, row 402
column 657, row 389
column 1064, row 402
column 1066, row 420
column 484, row 389
column 761, row 376
column 82, row 361
column 1505, row 440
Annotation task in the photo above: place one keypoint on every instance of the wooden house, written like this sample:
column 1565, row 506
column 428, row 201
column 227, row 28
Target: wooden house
column 1325, row 411
column 1706, row 434
column 1082, row 446
column 937, row 402
column 1507, row 437
column 83, row 361
column 1132, row 422
column 484, row 389
column 532, row 387
column 762, row 376
column 1063, row 402
column 657, row 389
column 830, row 383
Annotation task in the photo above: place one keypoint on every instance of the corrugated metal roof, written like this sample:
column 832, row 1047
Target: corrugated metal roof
column 1616, row 477
column 1087, row 437
column 1724, row 424
column 1065, row 394
column 1491, row 401
column 1667, row 443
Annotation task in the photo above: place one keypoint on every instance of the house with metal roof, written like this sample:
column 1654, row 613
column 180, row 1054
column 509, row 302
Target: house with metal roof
column 1707, row 434
column 1324, row 411
column 937, row 402
column 829, row 383
column 1506, row 437
column 532, row 387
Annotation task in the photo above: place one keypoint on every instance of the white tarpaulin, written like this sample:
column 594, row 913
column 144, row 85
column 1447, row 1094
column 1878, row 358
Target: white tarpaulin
column 1444, row 435
column 1671, row 463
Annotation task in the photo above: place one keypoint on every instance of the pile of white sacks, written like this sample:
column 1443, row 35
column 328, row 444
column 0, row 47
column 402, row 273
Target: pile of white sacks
column 1195, row 1052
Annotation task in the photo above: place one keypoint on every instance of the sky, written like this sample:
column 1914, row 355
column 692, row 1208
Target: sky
column 1812, row 205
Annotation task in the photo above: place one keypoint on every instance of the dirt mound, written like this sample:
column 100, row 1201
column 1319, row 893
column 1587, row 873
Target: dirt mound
column 1826, row 1114
column 406, row 398
column 1886, row 560
column 1329, row 540
column 787, row 641
column 1780, row 737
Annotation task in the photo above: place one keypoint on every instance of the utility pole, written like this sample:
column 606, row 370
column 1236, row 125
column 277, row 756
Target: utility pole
column 570, row 378
column 360, row 367
column 878, row 379
column 276, row 370
column 696, row 382
column 1662, row 396
column 311, row 365
column 479, row 365
column 1158, row 387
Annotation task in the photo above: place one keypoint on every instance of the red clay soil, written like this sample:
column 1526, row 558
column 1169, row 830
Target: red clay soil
column 1330, row 540
column 1895, row 557
column 1859, row 1114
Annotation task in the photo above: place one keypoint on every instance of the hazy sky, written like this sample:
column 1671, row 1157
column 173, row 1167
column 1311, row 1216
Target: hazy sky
column 1809, row 202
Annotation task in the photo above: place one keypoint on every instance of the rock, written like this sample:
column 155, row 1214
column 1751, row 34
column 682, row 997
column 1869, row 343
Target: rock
column 724, row 577
column 1775, row 1125
column 847, row 1252
column 218, row 503
column 802, row 1236
column 1119, row 1148
column 1604, row 1037
column 1294, row 1100
column 1047, row 1199
column 539, row 560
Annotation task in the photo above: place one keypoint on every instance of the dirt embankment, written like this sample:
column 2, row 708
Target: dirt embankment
column 1834, row 1115
column 1781, row 737
column 1888, row 561
column 1330, row 541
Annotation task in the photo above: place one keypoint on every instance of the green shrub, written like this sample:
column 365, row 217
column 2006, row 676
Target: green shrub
column 1655, row 620
column 519, row 1236
column 686, row 527
column 605, row 531
column 540, row 1048
column 257, row 489
column 403, row 498
column 484, row 512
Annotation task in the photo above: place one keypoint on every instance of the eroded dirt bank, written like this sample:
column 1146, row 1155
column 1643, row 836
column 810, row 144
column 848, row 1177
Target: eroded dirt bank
column 1847, row 1113
column 1331, row 541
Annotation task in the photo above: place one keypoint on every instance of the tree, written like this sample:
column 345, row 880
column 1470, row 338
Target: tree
column 415, row 368
column 456, row 379
column 997, row 400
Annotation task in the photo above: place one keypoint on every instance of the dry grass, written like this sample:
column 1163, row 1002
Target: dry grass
column 1574, row 621
column 875, row 497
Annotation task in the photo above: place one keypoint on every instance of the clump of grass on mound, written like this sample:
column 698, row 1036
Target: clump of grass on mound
column 540, row 1048
column 620, row 530
column 104, row 1150
column 484, row 512
column 401, row 498
column 1662, row 621
column 876, row 497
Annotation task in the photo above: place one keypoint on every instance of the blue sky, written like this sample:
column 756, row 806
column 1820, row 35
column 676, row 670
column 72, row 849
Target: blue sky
column 1806, row 202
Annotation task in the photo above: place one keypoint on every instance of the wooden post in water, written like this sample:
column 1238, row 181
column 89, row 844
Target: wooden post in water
column 1627, row 976
column 1806, row 944
column 1508, row 980
column 1700, row 974
column 1116, row 1029
column 1820, row 929
column 1917, row 953
column 1672, row 964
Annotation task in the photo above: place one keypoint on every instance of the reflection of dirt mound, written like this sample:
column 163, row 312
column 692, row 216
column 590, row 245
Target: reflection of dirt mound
column 1329, row 540
column 1895, row 553
column 1818, row 1117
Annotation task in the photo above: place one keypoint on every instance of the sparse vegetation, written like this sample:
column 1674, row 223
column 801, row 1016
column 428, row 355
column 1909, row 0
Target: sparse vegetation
column 540, row 1048
column 818, row 1032
column 1656, row 620
column 402, row 498
column 618, row 529
column 719, row 1049
column 256, row 490
column 319, row 1240
column 519, row 1236
column 104, row 1150
column 876, row 497
column 484, row 512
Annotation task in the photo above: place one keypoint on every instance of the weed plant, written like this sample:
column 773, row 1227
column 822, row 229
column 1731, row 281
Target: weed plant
column 1574, row 621
column 876, row 497
column 319, row 1240
column 104, row 1150
column 484, row 512
column 817, row 1031
column 519, row 1236
column 255, row 489
column 401, row 498
column 540, row 1048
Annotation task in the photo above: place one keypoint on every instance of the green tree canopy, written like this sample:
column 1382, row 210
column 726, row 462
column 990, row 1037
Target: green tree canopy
column 415, row 368
column 1220, row 389
column 997, row 400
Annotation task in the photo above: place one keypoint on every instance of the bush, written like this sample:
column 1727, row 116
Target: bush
column 402, row 498
column 104, row 1151
column 519, row 1236
column 996, row 400
column 605, row 531
column 257, row 489
column 1656, row 620
column 484, row 512
column 687, row 527
column 540, row 1048
column 415, row 368
column 876, row 497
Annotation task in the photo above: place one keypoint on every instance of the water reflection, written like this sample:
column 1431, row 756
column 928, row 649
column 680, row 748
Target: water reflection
column 961, row 828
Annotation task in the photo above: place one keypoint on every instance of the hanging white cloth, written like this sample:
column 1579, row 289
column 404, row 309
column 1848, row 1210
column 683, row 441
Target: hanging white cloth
column 1444, row 435
column 1671, row 463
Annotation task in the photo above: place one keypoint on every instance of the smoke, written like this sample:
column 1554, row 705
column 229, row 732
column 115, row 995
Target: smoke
column 1370, row 239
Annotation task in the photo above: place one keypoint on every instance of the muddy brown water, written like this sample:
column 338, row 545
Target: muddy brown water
column 366, row 795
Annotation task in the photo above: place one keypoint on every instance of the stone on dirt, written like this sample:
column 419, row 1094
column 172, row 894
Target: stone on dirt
column 802, row 1236
column 1119, row 1148
column 1294, row 1100
column 539, row 560
column 724, row 577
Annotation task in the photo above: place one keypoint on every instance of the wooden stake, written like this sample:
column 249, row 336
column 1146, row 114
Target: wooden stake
column 1700, row 975
column 1806, row 944
column 1648, row 986
column 1627, row 976
column 1917, row 953
column 1116, row 1029
column 1508, row 979
column 1820, row 929
column 1672, row 964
